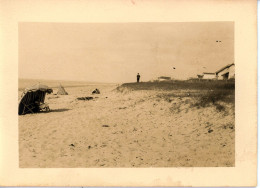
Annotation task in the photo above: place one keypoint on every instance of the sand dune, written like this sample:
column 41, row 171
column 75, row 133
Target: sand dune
column 126, row 129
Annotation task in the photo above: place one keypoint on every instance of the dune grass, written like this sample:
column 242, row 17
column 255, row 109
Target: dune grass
column 206, row 93
column 216, row 98
column 185, row 85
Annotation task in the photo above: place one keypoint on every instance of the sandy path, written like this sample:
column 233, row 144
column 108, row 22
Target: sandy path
column 142, row 131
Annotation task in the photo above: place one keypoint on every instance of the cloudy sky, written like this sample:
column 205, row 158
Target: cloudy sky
column 116, row 52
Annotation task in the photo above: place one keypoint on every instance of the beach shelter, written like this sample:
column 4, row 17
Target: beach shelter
column 61, row 91
column 32, row 99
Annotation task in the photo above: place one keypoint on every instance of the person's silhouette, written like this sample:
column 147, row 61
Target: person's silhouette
column 138, row 77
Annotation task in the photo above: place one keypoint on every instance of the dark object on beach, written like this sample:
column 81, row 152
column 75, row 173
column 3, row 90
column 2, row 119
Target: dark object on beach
column 32, row 100
column 72, row 145
column 96, row 91
column 210, row 130
column 85, row 98
column 105, row 125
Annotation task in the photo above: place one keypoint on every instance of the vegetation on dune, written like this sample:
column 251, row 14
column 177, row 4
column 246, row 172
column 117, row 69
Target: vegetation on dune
column 186, row 85
column 215, row 98
column 206, row 93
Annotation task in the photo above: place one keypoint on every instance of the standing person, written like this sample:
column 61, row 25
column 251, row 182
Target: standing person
column 138, row 77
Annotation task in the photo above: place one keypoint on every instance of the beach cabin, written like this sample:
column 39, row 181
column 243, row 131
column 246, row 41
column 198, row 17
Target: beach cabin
column 200, row 76
column 164, row 78
column 209, row 75
column 226, row 73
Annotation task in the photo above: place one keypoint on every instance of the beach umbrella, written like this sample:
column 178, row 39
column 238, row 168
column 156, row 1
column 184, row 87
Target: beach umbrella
column 38, row 87
column 33, row 99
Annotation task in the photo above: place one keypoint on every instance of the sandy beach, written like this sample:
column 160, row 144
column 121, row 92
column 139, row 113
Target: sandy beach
column 124, row 128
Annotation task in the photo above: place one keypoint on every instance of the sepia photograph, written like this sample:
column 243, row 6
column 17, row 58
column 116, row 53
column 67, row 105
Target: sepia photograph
column 126, row 95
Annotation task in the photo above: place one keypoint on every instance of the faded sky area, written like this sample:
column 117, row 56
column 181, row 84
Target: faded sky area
column 116, row 52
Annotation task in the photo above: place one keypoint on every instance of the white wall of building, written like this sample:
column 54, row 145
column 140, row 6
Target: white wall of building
column 209, row 76
column 230, row 71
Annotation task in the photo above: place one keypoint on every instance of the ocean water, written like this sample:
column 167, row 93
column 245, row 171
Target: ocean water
column 24, row 83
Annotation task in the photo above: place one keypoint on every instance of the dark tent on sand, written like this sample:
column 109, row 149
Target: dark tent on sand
column 62, row 91
column 32, row 100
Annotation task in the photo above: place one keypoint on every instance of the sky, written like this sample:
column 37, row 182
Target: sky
column 116, row 52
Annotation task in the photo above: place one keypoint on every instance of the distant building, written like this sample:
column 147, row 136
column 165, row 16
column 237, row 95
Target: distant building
column 209, row 75
column 164, row 78
column 226, row 72
column 200, row 76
